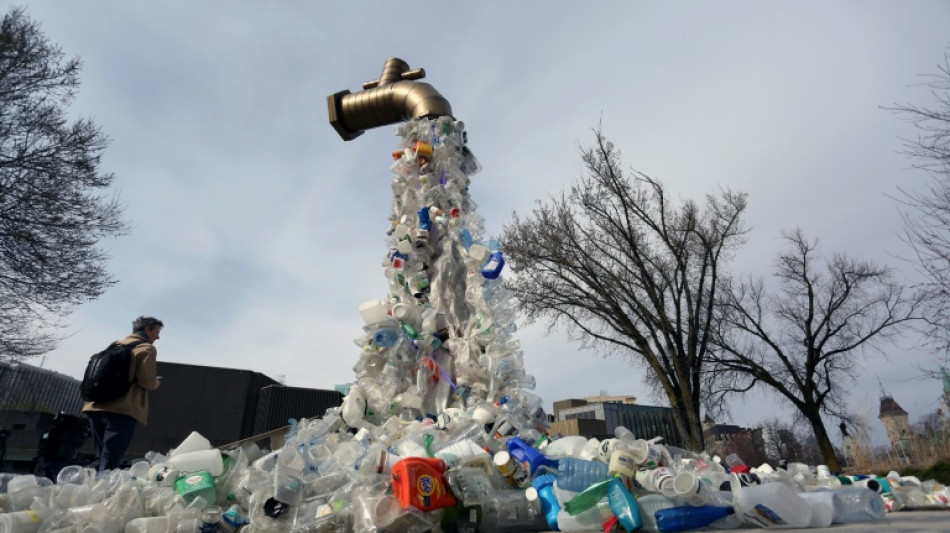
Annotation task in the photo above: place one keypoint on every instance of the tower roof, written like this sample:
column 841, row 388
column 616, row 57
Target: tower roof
column 889, row 407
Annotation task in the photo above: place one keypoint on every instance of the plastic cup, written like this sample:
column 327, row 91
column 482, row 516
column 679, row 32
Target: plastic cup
column 691, row 489
column 733, row 460
column 622, row 462
column 387, row 510
column 645, row 454
column 73, row 474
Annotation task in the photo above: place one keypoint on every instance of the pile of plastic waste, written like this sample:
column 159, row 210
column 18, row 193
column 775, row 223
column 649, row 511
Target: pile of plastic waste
column 439, row 431
column 327, row 479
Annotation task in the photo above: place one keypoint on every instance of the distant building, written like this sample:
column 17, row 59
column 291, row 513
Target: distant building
column 30, row 398
column 717, row 436
column 896, row 423
column 225, row 405
column 593, row 417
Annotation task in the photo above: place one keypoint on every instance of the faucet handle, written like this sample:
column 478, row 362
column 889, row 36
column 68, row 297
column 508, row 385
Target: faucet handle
column 415, row 74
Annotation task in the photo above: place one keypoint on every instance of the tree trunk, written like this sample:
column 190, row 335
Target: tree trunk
column 689, row 425
column 824, row 441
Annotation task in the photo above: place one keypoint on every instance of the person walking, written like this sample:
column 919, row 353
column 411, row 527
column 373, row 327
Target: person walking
column 113, row 423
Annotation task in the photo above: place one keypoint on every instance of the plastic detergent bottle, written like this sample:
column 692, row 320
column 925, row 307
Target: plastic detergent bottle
column 418, row 482
column 543, row 487
column 492, row 269
column 623, row 506
column 532, row 460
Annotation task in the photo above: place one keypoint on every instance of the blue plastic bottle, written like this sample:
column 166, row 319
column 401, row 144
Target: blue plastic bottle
column 532, row 460
column 687, row 517
column 385, row 337
column 623, row 506
column 465, row 237
column 545, row 487
column 424, row 221
column 575, row 474
column 496, row 262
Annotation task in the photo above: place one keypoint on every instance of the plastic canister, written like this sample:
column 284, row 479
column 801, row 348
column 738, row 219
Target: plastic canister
column 772, row 504
column 197, row 484
column 418, row 482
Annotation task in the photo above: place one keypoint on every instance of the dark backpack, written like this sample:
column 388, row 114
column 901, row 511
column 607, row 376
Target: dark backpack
column 107, row 374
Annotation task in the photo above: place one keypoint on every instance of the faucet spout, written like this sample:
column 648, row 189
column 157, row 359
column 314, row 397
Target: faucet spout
column 394, row 97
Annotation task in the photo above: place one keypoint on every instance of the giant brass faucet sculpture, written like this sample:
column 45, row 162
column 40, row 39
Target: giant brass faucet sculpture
column 394, row 97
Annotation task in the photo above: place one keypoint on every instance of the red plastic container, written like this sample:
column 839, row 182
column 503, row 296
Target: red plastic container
column 417, row 481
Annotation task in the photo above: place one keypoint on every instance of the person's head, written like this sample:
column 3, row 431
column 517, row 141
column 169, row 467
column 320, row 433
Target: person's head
column 148, row 326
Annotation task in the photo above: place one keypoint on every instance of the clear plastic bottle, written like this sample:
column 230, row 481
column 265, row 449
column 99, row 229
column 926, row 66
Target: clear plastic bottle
column 577, row 474
column 856, row 504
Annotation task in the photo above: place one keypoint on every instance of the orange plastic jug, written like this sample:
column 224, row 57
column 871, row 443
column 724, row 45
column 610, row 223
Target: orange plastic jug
column 417, row 481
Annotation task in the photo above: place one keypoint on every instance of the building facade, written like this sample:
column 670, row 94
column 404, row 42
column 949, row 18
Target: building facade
column 224, row 405
column 896, row 423
column 600, row 418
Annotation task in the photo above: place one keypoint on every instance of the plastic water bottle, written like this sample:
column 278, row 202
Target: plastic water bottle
column 577, row 474
column 684, row 518
column 856, row 504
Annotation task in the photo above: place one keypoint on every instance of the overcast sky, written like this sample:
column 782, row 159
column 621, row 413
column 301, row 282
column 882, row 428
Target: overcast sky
column 258, row 231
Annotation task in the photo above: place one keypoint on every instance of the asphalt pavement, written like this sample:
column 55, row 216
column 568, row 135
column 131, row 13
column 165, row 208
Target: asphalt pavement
column 923, row 521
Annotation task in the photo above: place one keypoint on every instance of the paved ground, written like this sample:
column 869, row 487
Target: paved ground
column 923, row 521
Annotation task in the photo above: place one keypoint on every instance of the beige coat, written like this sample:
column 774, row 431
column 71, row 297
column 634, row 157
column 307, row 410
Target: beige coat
column 142, row 373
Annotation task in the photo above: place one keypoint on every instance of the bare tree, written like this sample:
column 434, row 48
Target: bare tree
column 779, row 441
column 803, row 341
column 926, row 213
column 52, row 214
column 629, row 271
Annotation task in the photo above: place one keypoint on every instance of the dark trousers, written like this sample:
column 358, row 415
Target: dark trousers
column 112, row 433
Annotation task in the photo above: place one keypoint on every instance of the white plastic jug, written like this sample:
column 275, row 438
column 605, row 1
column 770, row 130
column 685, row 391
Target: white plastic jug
column 568, row 446
column 193, row 442
column 771, row 505
column 209, row 460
